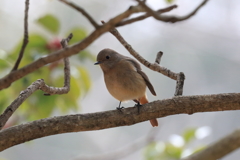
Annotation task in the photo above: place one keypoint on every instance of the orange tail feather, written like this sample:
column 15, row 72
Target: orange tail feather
column 144, row 100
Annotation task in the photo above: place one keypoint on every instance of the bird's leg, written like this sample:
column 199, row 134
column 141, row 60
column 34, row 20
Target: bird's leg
column 138, row 105
column 119, row 106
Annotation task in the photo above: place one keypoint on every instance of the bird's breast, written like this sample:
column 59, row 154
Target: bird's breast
column 125, row 83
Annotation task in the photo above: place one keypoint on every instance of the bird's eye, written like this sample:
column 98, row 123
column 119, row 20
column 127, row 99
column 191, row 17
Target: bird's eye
column 107, row 57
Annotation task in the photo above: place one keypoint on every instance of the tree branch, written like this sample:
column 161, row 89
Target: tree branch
column 81, row 10
column 179, row 77
column 15, row 75
column 39, row 84
column 109, row 119
column 142, row 17
column 172, row 19
column 218, row 149
column 25, row 38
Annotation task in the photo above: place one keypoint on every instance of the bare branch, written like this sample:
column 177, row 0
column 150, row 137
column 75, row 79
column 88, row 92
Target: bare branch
column 179, row 85
column 179, row 77
column 66, row 88
column 25, row 38
column 67, row 76
column 218, row 149
column 109, row 119
column 139, row 18
column 15, row 75
column 81, row 10
column 158, row 57
column 39, row 84
column 172, row 19
column 152, row 66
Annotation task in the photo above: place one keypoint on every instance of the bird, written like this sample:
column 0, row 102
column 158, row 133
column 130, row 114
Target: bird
column 124, row 78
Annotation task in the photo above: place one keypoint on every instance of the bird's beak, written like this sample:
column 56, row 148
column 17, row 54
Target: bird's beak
column 97, row 63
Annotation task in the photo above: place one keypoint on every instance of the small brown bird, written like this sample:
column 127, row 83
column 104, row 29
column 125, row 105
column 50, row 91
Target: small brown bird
column 124, row 78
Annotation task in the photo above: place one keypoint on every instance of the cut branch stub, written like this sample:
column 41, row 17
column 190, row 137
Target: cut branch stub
column 179, row 77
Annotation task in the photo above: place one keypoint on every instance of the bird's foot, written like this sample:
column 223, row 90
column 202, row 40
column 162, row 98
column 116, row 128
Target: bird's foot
column 119, row 108
column 138, row 105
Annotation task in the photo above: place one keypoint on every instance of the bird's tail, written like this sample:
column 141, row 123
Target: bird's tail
column 144, row 100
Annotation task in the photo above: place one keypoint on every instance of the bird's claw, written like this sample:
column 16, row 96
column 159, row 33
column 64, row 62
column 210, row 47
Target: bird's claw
column 138, row 105
column 119, row 108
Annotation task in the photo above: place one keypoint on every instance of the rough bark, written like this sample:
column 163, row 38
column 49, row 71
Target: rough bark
column 109, row 119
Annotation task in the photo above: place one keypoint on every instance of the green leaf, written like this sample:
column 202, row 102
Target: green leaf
column 36, row 41
column 4, row 64
column 78, row 35
column 35, row 48
column 173, row 151
column 67, row 101
column 189, row 134
column 169, row 1
column 4, row 99
column 50, row 22
column 199, row 148
column 85, row 80
column 150, row 152
column 83, row 55
column 38, row 106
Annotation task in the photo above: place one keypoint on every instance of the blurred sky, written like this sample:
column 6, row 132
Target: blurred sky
column 205, row 47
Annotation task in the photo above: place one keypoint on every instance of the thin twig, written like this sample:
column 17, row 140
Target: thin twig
column 179, row 77
column 158, row 57
column 25, row 38
column 179, row 84
column 39, row 84
column 66, row 88
column 74, row 49
column 67, row 76
column 218, row 149
column 152, row 66
column 142, row 17
column 172, row 19
column 81, row 10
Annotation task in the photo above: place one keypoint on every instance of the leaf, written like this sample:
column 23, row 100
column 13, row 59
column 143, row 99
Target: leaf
column 85, row 80
column 173, row 151
column 189, row 134
column 36, row 41
column 83, row 55
column 38, row 106
column 169, row 1
column 35, row 48
column 4, row 99
column 78, row 35
column 50, row 22
column 199, row 148
column 150, row 152
column 67, row 101
column 4, row 64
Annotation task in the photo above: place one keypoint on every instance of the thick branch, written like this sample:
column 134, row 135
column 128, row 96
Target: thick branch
column 109, row 119
column 172, row 19
column 218, row 149
column 25, row 38
column 15, row 75
column 81, row 10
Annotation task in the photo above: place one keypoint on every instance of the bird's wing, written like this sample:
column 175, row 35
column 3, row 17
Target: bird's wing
column 145, row 77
